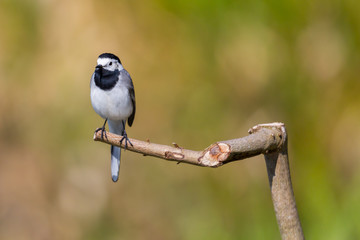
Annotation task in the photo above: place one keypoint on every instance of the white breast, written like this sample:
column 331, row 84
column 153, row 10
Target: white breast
column 114, row 104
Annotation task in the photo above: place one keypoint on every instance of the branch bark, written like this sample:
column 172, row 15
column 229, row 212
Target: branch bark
column 268, row 139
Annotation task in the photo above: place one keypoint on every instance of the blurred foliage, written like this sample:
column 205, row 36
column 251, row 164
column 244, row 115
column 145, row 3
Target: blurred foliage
column 203, row 71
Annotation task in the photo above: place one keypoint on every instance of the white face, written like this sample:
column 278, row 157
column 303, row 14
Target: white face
column 109, row 64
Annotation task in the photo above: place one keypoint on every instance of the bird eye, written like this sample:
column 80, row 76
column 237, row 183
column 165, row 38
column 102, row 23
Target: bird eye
column 110, row 63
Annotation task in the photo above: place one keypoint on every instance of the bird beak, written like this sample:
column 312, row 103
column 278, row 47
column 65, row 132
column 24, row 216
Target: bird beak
column 98, row 67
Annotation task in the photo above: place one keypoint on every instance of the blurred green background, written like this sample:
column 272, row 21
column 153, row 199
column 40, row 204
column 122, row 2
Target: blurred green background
column 203, row 71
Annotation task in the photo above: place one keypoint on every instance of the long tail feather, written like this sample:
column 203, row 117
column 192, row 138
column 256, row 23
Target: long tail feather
column 115, row 163
column 117, row 128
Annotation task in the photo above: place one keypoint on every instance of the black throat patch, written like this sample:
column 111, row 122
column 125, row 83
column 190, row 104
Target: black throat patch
column 105, row 79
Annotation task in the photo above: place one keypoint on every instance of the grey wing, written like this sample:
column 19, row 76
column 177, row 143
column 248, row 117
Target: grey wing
column 132, row 96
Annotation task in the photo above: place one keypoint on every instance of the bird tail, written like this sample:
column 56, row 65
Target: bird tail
column 117, row 128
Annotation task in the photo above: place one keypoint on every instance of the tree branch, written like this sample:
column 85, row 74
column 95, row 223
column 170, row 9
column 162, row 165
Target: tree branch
column 261, row 140
column 268, row 139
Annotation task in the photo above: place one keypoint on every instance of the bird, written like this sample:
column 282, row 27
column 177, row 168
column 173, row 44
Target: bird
column 112, row 96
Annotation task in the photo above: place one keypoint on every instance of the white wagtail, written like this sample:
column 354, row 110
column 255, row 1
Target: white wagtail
column 113, row 98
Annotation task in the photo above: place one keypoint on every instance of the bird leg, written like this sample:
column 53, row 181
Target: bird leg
column 127, row 140
column 124, row 137
column 102, row 129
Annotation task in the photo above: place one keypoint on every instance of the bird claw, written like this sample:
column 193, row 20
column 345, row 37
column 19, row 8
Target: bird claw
column 103, row 132
column 127, row 140
column 102, row 129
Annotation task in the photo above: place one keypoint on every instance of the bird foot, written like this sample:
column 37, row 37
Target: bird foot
column 103, row 132
column 127, row 140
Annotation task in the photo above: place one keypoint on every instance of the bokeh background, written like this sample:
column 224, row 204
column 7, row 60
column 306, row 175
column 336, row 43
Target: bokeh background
column 203, row 71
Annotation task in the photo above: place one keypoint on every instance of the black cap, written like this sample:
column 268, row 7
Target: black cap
column 109, row 55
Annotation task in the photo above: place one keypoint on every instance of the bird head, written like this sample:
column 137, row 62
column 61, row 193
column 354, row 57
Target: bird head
column 109, row 62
